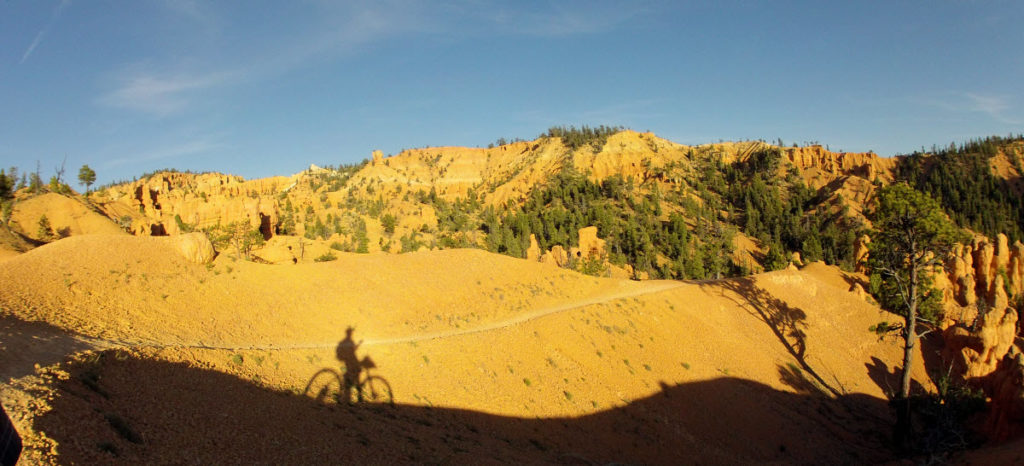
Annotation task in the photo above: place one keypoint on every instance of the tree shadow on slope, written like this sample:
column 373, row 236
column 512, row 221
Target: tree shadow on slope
column 786, row 322
column 140, row 410
column 888, row 379
column 23, row 344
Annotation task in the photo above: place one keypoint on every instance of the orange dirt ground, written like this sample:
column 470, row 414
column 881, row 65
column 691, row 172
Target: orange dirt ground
column 117, row 349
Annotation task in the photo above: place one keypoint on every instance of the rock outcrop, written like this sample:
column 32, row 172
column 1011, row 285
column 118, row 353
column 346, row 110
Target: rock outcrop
column 979, row 284
column 860, row 253
column 533, row 253
column 557, row 256
column 1005, row 387
column 975, row 352
column 821, row 166
column 589, row 244
column 195, row 247
column 590, row 247
column 174, row 203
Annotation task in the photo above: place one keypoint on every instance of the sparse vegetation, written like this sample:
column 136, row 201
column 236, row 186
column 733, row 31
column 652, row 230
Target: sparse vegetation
column 239, row 235
column 326, row 257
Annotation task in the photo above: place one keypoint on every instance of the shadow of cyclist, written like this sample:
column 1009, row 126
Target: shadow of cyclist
column 346, row 353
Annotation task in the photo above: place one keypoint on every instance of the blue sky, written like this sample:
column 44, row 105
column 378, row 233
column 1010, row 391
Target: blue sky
column 264, row 88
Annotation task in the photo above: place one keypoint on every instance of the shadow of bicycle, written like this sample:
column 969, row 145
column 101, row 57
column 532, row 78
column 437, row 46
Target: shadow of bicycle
column 331, row 386
column 354, row 383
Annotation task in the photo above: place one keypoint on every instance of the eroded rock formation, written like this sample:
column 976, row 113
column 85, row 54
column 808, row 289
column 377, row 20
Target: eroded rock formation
column 589, row 244
column 1005, row 387
column 975, row 350
column 195, row 247
column 174, row 203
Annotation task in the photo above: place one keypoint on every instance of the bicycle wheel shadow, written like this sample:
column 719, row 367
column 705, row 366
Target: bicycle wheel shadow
column 355, row 383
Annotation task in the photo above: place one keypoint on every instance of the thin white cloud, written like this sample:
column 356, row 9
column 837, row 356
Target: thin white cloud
column 156, row 95
column 169, row 152
column 343, row 29
column 998, row 107
column 35, row 43
column 45, row 30
column 994, row 106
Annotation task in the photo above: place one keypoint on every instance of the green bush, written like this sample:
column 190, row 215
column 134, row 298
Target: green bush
column 326, row 257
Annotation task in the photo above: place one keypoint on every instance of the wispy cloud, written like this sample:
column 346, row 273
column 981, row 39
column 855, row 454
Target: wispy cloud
column 346, row 28
column 161, row 89
column 45, row 30
column 169, row 152
column 157, row 95
column 998, row 107
column 340, row 29
column 994, row 106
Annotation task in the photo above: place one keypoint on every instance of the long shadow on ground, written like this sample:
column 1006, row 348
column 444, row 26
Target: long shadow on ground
column 786, row 322
column 129, row 409
column 24, row 344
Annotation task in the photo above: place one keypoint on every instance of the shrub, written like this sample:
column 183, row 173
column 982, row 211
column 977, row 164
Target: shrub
column 326, row 257
column 45, row 230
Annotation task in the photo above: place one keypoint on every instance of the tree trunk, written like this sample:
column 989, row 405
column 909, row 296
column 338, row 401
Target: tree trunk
column 904, row 429
column 910, row 332
column 908, row 355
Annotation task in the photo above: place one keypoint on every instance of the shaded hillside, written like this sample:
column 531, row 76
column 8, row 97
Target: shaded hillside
column 13, row 243
column 130, row 409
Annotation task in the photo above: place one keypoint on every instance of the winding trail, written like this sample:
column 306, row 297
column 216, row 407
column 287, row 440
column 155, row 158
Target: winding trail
column 651, row 287
column 654, row 287
column 25, row 344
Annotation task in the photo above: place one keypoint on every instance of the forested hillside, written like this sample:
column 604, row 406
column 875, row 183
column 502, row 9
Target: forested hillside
column 966, row 180
column 663, row 210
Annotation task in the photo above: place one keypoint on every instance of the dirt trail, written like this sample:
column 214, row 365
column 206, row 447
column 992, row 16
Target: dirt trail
column 43, row 344
column 650, row 287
